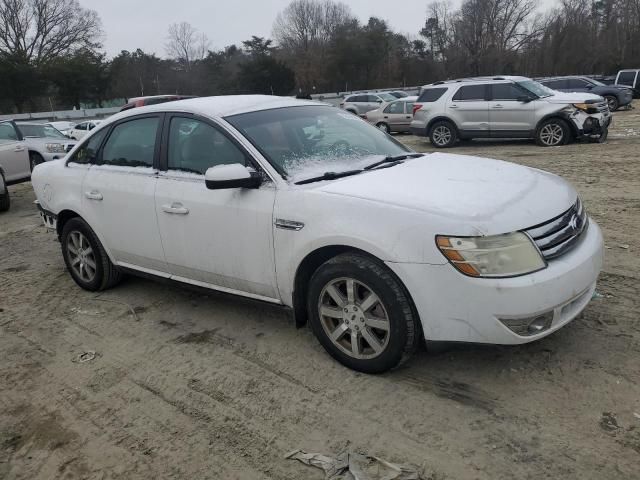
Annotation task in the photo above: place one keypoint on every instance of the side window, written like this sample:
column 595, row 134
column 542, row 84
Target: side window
column 395, row 108
column 7, row 132
column 91, row 126
column 626, row 78
column 81, row 126
column 88, row 151
column 195, row 146
column 131, row 144
column 555, row 84
column 577, row 83
column 373, row 99
column 408, row 107
column 506, row 91
column 470, row 92
column 431, row 95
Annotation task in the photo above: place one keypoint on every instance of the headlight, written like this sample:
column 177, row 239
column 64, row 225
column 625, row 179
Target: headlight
column 581, row 106
column 55, row 148
column 505, row 255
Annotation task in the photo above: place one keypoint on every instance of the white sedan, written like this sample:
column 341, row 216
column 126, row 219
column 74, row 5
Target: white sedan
column 79, row 131
column 304, row 205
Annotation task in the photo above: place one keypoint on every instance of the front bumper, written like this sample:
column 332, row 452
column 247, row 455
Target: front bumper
column 590, row 125
column 454, row 307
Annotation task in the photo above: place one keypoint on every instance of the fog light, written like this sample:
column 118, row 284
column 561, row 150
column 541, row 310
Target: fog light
column 528, row 326
column 587, row 126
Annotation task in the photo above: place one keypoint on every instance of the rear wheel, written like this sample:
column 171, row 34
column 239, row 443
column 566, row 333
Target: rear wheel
column 613, row 102
column 443, row 134
column 361, row 314
column 5, row 200
column 552, row 133
column 384, row 127
column 85, row 257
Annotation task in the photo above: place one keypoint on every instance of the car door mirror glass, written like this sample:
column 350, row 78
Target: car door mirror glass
column 234, row 175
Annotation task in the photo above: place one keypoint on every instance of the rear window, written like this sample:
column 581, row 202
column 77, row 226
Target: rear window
column 470, row 92
column 431, row 95
column 626, row 78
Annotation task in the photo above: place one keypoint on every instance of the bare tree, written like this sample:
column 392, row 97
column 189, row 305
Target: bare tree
column 186, row 45
column 37, row 31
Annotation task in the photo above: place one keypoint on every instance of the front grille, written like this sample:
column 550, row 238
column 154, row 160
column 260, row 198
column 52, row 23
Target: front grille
column 560, row 234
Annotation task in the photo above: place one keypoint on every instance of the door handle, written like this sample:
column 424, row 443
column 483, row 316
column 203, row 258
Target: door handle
column 19, row 148
column 497, row 106
column 93, row 195
column 175, row 208
column 453, row 106
column 386, row 116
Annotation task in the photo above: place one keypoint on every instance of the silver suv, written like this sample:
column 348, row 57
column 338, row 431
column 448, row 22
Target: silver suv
column 507, row 107
column 361, row 103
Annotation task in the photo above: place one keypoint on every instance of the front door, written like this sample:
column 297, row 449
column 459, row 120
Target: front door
column 469, row 109
column 118, row 193
column 14, row 158
column 394, row 115
column 220, row 238
column 509, row 116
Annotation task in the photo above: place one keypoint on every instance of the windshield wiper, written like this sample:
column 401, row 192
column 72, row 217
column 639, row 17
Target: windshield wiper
column 329, row 176
column 393, row 159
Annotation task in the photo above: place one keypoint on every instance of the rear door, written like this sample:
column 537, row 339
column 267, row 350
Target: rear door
column 118, row 192
column 469, row 108
column 509, row 116
column 14, row 157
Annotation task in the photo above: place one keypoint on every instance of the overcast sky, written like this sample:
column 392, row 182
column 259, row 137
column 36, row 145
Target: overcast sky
column 131, row 24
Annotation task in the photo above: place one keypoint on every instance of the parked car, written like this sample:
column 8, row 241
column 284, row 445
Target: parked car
column 630, row 78
column 361, row 103
column 62, row 126
column 44, row 143
column 81, row 129
column 393, row 117
column 14, row 161
column 604, row 79
column 616, row 95
column 153, row 100
column 507, row 107
column 398, row 93
column 299, row 204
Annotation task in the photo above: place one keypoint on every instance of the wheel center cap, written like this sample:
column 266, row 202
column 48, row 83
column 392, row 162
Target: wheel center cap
column 353, row 315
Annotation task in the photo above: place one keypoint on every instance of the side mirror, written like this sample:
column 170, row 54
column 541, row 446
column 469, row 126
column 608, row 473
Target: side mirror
column 524, row 99
column 379, row 101
column 233, row 175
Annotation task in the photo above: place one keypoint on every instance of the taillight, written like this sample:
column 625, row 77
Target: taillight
column 416, row 107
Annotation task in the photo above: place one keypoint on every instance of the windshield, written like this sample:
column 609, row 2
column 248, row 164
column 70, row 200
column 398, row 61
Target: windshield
column 40, row 131
column 536, row 88
column 306, row 141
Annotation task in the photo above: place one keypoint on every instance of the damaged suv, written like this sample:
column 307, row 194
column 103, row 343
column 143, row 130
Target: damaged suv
column 507, row 107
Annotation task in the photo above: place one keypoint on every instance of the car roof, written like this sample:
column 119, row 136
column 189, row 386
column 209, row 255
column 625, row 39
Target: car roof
column 18, row 122
column 471, row 80
column 220, row 106
column 563, row 77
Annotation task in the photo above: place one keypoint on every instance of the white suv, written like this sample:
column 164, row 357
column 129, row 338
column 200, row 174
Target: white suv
column 507, row 107
column 304, row 205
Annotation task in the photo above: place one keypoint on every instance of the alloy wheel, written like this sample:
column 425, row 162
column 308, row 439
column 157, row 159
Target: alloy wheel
column 354, row 318
column 551, row 134
column 441, row 135
column 81, row 256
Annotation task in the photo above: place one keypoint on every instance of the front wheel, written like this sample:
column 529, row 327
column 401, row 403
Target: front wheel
column 552, row 133
column 443, row 134
column 5, row 200
column 613, row 102
column 34, row 160
column 361, row 314
column 85, row 257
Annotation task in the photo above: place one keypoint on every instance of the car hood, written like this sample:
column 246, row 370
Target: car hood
column 573, row 97
column 472, row 195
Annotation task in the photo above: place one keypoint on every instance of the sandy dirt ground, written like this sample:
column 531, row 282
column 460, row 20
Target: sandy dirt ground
column 191, row 384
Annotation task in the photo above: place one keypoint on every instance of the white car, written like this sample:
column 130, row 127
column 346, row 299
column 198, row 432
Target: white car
column 44, row 142
column 304, row 205
column 80, row 130
column 14, row 161
column 62, row 126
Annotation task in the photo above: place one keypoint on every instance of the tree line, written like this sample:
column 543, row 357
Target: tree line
column 51, row 55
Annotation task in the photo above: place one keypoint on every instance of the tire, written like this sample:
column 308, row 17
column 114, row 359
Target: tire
column 5, row 199
column 602, row 137
column 35, row 159
column 76, row 234
column 553, row 133
column 443, row 134
column 613, row 102
column 384, row 127
column 396, row 334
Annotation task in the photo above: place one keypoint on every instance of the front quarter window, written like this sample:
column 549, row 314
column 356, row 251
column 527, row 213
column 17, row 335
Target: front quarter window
column 88, row 151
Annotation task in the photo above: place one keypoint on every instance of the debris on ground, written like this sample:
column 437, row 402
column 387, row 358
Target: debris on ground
column 608, row 422
column 85, row 357
column 355, row 466
column 637, row 415
column 624, row 246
